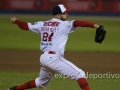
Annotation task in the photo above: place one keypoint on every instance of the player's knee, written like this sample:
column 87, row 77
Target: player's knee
column 81, row 75
column 39, row 83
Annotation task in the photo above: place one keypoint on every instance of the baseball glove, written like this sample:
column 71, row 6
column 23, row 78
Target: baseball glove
column 100, row 34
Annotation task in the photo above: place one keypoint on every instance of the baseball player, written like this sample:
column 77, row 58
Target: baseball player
column 54, row 34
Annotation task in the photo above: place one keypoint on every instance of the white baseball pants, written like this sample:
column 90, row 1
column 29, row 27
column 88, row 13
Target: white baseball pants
column 55, row 63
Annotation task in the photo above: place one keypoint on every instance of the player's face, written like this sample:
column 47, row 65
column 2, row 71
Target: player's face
column 63, row 16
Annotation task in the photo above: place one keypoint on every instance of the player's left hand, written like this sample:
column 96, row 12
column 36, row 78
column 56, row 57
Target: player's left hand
column 100, row 34
column 13, row 19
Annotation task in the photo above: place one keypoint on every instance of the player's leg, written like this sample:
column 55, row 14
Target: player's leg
column 27, row 85
column 41, row 82
column 75, row 73
column 44, row 78
column 59, row 64
column 66, row 68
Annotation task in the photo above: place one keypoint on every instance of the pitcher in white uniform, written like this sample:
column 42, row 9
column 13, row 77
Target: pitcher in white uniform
column 54, row 35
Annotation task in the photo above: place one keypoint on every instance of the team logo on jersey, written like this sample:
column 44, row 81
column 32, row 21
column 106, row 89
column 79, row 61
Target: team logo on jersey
column 34, row 23
column 51, row 23
column 46, row 44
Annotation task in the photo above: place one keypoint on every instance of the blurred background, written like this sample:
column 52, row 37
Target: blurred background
column 80, row 7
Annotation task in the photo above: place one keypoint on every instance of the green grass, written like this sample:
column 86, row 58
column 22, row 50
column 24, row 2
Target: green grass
column 8, row 79
column 11, row 37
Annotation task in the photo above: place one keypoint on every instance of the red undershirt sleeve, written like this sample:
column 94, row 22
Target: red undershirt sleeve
column 81, row 23
column 22, row 25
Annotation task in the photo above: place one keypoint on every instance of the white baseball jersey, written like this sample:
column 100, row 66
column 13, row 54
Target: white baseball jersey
column 54, row 34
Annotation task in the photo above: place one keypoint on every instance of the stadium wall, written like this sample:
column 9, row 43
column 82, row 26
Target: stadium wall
column 77, row 7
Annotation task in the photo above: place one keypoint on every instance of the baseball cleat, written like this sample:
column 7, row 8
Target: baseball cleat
column 12, row 88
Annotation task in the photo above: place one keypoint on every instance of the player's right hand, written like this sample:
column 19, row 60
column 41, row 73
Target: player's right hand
column 13, row 19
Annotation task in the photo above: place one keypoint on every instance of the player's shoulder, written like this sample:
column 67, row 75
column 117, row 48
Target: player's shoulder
column 68, row 21
column 36, row 23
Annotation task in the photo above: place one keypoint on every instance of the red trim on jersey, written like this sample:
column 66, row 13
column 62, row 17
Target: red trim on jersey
column 22, row 25
column 78, row 23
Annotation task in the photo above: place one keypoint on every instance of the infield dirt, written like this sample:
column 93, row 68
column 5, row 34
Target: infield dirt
column 28, row 61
